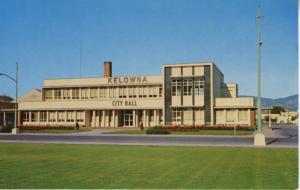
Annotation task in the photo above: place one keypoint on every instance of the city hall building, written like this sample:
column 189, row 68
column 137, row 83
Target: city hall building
column 184, row 94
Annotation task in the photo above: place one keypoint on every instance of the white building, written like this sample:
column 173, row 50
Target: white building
column 185, row 94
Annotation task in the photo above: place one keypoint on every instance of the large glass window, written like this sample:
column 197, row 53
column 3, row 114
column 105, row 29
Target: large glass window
column 243, row 115
column 84, row 93
column 198, row 87
column 187, row 87
column 132, row 92
column 94, row 93
column 57, row 94
column 70, row 116
column 143, row 91
column 102, row 93
column 43, row 116
column 48, row 94
column 52, row 116
column 230, row 115
column 176, row 116
column 66, row 93
column 61, row 116
column 188, row 116
column 25, row 116
column 176, row 88
column 113, row 92
column 152, row 91
column 122, row 92
column 79, row 116
column 75, row 93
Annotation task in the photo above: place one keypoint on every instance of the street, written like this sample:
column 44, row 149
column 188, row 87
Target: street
column 287, row 137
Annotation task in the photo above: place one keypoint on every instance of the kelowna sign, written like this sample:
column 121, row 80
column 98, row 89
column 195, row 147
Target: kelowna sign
column 125, row 80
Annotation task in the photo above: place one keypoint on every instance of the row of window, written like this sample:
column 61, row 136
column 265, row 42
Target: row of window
column 102, row 93
column 59, row 116
column 185, row 116
column 190, row 87
column 231, row 115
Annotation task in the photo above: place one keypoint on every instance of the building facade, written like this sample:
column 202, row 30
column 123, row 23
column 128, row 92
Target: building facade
column 185, row 94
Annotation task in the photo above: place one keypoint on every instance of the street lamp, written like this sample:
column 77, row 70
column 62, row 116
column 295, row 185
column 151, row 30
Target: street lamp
column 15, row 129
column 259, row 138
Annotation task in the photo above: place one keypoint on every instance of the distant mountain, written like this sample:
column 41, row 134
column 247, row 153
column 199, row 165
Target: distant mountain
column 290, row 102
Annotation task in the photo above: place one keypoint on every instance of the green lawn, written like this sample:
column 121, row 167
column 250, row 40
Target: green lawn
column 110, row 166
column 200, row 132
column 56, row 131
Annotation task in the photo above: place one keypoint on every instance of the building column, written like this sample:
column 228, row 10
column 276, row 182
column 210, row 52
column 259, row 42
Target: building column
column 38, row 117
column 4, row 118
column 155, row 117
column 29, row 117
column 103, row 118
column 47, row 117
column 113, row 118
column 56, row 117
column 97, row 118
column 117, row 119
column 237, row 116
column 137, row 118
column 75, row 116
column 249, row 117
column 133, row 118
column 93, row 119
column 66, row 118
column 107, row 118
column 144, row 118
column 19, row 118
column 225, row 116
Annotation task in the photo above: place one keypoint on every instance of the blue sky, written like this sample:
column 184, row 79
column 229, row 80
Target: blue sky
column 138, row 36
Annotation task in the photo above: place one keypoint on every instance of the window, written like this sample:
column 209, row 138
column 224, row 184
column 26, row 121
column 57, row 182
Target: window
column 34, row 116
column 66, row 93
column 75, row 93
column 102, row 93
column 142, row 91
column 25, row 116
column 199, row 87
column 61, row 116
column 188, row 116
column 94, row 93
column 176, row 116
column 132, row 92
column 243, row 115
column 48, row 94
column 84, row 93
column 160, row 91
column 176, row 88
column 79, row 116
column 230, row 115
column 70, row 116
column 122, row 92
column 187, row 87
column 52, row 116
column 152, row 91
column 43, row 116
column 57, row 94
column 113, row 92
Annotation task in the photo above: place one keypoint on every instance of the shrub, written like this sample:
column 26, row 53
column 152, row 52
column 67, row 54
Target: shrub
column 206, row 127
column 6, row 129
column 157, row 130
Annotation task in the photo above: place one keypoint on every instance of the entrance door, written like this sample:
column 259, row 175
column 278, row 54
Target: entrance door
column 128, row 118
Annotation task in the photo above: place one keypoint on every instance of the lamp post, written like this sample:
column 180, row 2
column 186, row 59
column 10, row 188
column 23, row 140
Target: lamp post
column 15, row 129
column 259, row 138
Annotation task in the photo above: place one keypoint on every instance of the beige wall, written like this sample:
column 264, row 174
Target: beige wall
column 234, row 102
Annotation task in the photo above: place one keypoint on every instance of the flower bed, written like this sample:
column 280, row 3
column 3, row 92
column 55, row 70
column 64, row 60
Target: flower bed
column 41, row 127
column 206, row 127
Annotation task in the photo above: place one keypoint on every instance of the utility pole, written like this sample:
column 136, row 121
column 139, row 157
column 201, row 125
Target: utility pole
column 80, row 62
column 259, row 138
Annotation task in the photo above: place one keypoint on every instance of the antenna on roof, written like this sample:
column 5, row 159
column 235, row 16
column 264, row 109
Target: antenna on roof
column 80, row 62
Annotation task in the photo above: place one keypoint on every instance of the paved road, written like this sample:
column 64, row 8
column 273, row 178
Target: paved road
column 289, row 139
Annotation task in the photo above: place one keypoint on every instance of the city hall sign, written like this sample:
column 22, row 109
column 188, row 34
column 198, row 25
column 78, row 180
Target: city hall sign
column 125, row 80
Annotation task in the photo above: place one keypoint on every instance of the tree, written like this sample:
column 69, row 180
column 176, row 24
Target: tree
column 277, row 110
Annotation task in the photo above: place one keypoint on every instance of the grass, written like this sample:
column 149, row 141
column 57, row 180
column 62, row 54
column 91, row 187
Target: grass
column 112, row 167
column 200, row 132
column 56, row 131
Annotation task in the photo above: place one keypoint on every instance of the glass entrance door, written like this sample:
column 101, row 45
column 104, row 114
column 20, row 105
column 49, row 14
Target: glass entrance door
column 128, row 118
